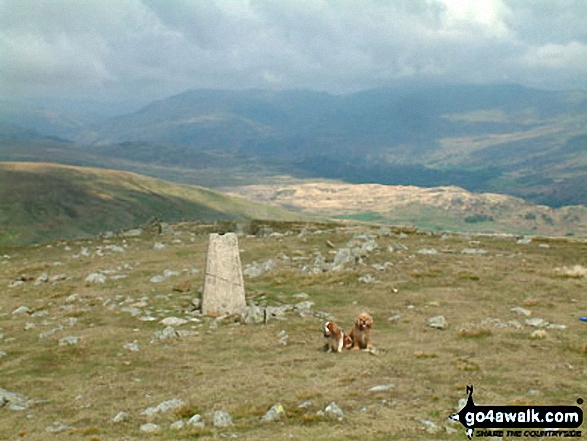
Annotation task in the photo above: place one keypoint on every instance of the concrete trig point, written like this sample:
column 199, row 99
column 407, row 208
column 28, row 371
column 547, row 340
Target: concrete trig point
column 224, row 288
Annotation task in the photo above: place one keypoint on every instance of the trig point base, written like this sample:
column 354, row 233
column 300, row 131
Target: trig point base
column 224, row 288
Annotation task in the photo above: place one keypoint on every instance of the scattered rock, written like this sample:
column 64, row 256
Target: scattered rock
column 178, row 425
column 96, row 278
column 57, row 278
column 537, row 322
column 255, row 315
column 382, row 388
column 394, row 318
column 133, row 347
column 256, row 269
column 334, row 412
column 58, row 427
column 12, row 401
column 431, row 427
column 367, row 278
column 173, row 321
column 222, row 419
column 21, row 310
column 43, row 278
column 274, row 414
column 427, row 251
column 521, row 311
column 163, row 407
column 283, row 338
column 157, row 279
column 69, row 341
column 120, row 417
column 158, row 246
column 524, row 241
column 133, row 233
column 196, row 421
column 473, row 251
column 149, row 428
column 167, row 333
column 169, row 273
column 3, row 354
column 539, row 334
column 438, row 322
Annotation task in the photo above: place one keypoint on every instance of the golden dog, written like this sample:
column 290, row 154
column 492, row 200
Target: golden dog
column 361, row 332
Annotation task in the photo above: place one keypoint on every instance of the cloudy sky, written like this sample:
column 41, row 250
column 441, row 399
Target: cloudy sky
column 148, row 49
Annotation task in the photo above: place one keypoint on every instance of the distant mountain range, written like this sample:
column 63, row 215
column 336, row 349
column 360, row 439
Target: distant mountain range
column 499, row 138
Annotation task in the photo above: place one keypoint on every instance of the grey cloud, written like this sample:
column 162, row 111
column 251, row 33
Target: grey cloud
column 153, row 48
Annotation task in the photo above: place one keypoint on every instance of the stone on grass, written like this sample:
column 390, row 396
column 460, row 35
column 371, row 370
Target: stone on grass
column 21, row 310
column 334, row 412
column 163, row 407
column 68, row 341
column 537, row 322
column 173, row 321
column 274, row 414
column 57, row 428
column 367, row 278
column 157, row 279
column 12, row 401
column 96, row 278
column 120, row 417
column 133, row 347
column 521, row 311
column 438, row 322
column 178, row 425
column 196, row 421
column 539, row 334
column 158, row 246
column 254, row 315
column 430, row 427
column 222, row 419
column 382, row 388
column 149, row 428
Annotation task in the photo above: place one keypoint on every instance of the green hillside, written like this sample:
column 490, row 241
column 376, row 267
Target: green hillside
column 42, row 201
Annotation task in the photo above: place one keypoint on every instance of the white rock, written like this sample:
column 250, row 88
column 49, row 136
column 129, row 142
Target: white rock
column 21, row 310
column 178, row 425
column 96, row 278
column 382, row 388
column 334, row 412
column 57, row 427
column 222, row 419
column 537, row 322
column 68, row 341
column 163, row 407
column 438, row 322
column 173, row 321
column 521, row 311
column 170, row 273
column 149, row 428
column 120, row 417
column 157, row 279
column 430, row 426
column 133, row 347
column 196, row 421
column 43, row 278
column 275, row 413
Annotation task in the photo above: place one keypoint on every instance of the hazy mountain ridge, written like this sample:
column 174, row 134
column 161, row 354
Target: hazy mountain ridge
column 40, row 202
column 500, row 138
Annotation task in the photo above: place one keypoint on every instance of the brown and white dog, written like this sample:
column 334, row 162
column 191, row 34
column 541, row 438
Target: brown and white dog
column 361, row 332
column 336, row 337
